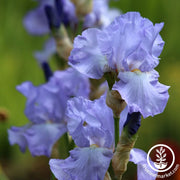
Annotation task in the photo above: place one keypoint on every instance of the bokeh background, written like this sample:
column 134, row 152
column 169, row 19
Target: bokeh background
column 17, row 65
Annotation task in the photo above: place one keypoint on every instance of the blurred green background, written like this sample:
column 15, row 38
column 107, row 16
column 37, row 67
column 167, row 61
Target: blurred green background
column 17, row 65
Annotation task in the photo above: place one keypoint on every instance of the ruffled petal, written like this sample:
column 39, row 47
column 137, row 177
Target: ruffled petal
column 90, row 122
column 83, row 163
column 44, row 103
column 16, row 136
column 42, row 137
column 48, row 101
column 142, row 92
column 139, row 157
column 36, row 22
column 131, row 42
column 39, row 138
column 158, row 46
column 86, row 56
column 76, row 84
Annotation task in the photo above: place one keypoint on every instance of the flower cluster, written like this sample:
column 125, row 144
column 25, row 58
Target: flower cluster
column 103, row 131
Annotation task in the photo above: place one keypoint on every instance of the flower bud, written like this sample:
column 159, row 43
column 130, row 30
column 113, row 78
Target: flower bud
column 53, row 18
column 47, row 70
column 115, row 102
column 133, row 122
column 83, row 7
column 63, row 43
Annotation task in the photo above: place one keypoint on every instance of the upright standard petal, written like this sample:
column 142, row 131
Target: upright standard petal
column 86, row 56
column 83, row 163
column 130, row 42
column 36, row 22
column 142, row 92
column 90, row 122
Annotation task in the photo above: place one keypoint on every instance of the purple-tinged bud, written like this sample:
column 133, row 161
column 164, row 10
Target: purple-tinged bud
column 53, row 17
column 133, row 122
column 62, row 14
column 47, row 70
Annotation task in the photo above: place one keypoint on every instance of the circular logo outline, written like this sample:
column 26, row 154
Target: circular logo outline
column 148, row 157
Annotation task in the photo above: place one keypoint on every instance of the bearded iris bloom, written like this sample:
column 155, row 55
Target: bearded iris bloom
column 45, row 108
column 90, row 123
column 129, row 47
column 93, row 134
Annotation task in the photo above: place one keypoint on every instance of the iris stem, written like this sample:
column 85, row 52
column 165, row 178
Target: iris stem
column 52, row 176
column 64, row 146
column 116, row 124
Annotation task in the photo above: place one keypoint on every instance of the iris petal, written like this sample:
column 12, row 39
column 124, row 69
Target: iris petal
column 142, row 92
column 90, row 122
column 139, row 157
column 83, row 163
column 86, row 56
column 36, row 22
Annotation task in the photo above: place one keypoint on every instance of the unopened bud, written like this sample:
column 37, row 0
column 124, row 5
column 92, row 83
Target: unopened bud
column 53, row 18
column 63, row 43
column 83, row 7
column 115, row 102
column 47, row 70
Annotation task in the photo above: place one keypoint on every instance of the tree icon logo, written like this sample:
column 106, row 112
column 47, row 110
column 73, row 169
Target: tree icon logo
column 162, row 156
